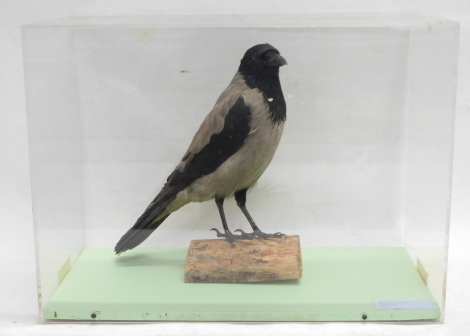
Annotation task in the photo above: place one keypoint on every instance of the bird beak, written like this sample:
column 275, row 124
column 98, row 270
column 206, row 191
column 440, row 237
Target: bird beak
column 275, row 60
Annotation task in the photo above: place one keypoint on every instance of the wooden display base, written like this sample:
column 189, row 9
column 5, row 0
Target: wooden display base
column 256, row 260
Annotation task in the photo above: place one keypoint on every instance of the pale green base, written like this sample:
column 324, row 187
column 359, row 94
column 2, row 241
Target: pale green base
column 338, row 284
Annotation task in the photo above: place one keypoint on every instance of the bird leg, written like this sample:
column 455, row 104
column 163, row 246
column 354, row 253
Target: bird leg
column 228, row 234
column 240, row 197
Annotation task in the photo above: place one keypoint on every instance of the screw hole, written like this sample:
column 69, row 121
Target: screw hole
column 364, row 317
column 93, row 316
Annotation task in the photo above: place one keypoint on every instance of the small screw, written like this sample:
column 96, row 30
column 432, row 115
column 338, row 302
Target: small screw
column 55, row 314
column 364, row 317
column 93, row 316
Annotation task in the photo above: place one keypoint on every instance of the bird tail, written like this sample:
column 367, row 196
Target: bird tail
column 147, row 222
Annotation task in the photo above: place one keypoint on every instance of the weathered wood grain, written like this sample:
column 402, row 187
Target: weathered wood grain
column 256, row 260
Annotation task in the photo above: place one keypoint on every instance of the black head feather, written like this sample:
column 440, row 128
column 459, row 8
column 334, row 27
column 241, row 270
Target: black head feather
column 260, row 69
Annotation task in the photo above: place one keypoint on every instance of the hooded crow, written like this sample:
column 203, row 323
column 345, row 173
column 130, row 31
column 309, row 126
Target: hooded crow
column 232, row 148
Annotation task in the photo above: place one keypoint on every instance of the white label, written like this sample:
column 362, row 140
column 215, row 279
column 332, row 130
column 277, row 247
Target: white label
column 404, row 304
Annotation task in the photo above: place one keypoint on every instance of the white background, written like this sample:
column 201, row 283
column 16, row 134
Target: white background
column 18, row 308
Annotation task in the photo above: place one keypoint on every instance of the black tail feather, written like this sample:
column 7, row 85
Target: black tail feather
column 135, row 236
column 147, row 222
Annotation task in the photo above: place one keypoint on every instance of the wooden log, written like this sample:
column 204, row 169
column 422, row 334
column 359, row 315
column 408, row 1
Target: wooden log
column 256, row 260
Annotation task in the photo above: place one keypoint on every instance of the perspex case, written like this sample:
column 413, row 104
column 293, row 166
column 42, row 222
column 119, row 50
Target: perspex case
column 363, row 172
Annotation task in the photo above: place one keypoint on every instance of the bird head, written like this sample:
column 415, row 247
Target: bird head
column 260, row 59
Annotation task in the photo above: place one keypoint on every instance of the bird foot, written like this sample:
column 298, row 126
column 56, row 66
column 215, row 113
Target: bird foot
column 227, row 235
column 257, row 234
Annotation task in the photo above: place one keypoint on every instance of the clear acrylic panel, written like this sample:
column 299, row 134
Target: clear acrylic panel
column 365, row 160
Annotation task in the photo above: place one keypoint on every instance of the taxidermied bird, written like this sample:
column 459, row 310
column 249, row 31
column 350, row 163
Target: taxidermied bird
column 232, row 148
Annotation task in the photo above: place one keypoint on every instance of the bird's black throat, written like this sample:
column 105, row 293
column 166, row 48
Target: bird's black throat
column 267, row 81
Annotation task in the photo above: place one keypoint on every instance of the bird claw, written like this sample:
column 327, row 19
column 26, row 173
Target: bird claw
column 260, row 234
column 227, row 235
column 240, row 230
column 219, row 234
column 243, row 235
column 278, row 235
